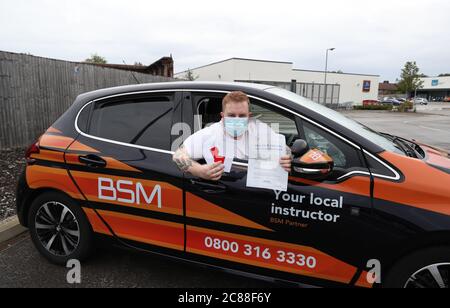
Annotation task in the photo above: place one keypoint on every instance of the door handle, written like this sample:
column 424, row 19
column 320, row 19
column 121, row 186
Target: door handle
column 92, row 161
column 208, row 187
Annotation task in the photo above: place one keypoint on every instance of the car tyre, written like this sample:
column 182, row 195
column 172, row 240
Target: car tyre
column 59, row 228
column 428, row 268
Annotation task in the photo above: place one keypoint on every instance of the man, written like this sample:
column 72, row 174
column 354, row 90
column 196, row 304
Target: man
column 232, row 133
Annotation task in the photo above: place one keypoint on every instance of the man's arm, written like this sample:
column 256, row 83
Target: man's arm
column 186, row 164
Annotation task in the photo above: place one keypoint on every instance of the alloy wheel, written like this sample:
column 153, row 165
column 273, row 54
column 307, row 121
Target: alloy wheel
column 57, row 228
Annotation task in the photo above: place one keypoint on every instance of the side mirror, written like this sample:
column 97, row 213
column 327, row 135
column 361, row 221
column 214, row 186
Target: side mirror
column 299, row 148
column 312, row 164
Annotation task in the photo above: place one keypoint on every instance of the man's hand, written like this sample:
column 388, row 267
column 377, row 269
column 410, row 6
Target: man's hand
column 286, row 162
column 209, row 172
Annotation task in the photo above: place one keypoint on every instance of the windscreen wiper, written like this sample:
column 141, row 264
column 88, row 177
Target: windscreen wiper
column 402, row 144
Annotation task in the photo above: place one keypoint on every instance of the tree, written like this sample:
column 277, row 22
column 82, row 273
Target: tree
column 444, row 75
column 410, row 78
column 190, row 75
column 96, row 59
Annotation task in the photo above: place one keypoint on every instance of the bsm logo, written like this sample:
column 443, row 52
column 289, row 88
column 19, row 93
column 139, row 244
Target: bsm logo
column 127, row 192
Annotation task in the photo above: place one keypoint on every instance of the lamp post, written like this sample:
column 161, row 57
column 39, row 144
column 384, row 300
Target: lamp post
column 326, row 71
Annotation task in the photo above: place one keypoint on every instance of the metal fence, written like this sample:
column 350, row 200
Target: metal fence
column 35, row 91
column 320, row 93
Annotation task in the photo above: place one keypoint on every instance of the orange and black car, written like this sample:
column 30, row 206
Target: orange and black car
column 362, row 209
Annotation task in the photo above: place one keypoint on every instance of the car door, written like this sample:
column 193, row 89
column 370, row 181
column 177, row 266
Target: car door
column 315, row 229
column 122, row 163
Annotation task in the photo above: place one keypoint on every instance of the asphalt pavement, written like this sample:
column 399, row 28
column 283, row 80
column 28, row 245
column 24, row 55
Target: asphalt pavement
column 22, row 266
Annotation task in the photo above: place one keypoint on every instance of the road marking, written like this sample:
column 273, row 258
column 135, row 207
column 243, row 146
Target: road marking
column 431, row 128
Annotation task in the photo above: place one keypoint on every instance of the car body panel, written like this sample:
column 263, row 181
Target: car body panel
column 385, row 208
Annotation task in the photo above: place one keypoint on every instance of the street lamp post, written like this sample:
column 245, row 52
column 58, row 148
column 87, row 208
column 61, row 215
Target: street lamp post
column 326, row 72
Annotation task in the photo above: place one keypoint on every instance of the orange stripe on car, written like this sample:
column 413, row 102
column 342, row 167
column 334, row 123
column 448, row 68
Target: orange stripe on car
column 424, row 187
column 52, row 141
column 53, row 130
column 48, row 177
column 327, row 267
column 146, row 230
column 362, row 281
column 97, row 224
column 78, row 146
column 49, row 155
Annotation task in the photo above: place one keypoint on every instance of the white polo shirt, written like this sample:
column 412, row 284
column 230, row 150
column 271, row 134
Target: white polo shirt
column 199, row 144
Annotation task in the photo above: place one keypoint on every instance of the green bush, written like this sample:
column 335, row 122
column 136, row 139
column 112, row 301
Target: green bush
column 405, row 107
column 373, row 107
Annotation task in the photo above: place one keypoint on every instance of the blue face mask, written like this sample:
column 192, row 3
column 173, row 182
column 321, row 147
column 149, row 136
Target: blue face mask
column 235, row 127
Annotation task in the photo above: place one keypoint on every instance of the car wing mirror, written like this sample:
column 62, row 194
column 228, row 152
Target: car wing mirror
column 314, row 164
column 299, row 148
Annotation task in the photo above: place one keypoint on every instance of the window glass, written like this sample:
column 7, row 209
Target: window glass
column 344, row 155
column 339, row 118
column 141, row 121
column 83, row 118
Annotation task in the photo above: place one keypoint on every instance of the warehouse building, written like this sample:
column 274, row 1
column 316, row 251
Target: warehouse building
column 339, row 88
column 435, row 88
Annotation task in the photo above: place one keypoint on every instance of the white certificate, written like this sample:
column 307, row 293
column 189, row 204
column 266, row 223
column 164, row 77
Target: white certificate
column 264, row 169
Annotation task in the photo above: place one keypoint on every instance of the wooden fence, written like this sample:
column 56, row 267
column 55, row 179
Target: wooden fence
column 35, row 91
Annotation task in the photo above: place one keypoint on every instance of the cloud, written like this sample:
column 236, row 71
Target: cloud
column 374, row 37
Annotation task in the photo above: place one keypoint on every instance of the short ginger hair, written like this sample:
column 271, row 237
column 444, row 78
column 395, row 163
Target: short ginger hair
column 235, row 97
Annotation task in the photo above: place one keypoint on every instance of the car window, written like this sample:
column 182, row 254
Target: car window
column 344, row 155
column 208, row 107
column 339, row 118
column 141, row 121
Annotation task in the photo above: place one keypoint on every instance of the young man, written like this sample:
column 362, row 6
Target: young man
column 232, row 131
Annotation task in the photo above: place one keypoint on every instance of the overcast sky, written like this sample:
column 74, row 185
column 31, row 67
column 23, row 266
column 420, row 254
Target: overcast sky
column 375, row 37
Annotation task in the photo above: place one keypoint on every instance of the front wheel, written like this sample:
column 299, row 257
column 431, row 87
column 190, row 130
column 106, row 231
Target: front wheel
column 59, row 229
column 429, row 268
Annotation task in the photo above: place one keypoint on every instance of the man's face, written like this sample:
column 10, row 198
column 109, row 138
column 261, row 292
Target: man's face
column 236, row 110
column 235, row 118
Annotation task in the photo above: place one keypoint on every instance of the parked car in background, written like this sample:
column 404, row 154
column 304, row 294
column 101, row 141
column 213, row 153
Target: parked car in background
column 447, row 99
column 371, row 102
column 391, row 101
column 420, row 101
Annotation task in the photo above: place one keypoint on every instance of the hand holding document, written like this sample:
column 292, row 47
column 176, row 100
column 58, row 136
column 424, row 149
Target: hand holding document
column 264, row 169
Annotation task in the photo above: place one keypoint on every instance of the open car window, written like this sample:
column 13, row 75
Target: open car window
column 208, row 107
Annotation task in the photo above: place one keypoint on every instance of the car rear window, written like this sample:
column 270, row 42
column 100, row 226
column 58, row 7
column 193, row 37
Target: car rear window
column 140, row 121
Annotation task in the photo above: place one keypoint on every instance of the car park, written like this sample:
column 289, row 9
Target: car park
column 104, row 170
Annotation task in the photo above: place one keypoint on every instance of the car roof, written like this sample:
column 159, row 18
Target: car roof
column 205, row 85
column 259, row 90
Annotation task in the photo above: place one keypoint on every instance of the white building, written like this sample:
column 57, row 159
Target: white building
column 435, row 88
column 340, row 87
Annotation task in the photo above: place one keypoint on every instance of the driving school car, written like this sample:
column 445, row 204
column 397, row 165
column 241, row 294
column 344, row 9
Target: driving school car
column 362, row 207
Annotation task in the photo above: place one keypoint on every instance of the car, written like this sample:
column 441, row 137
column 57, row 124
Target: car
column 391, row 101
column 447, row 99
column 375, row 213
column 371, row 102
column 420, row 101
